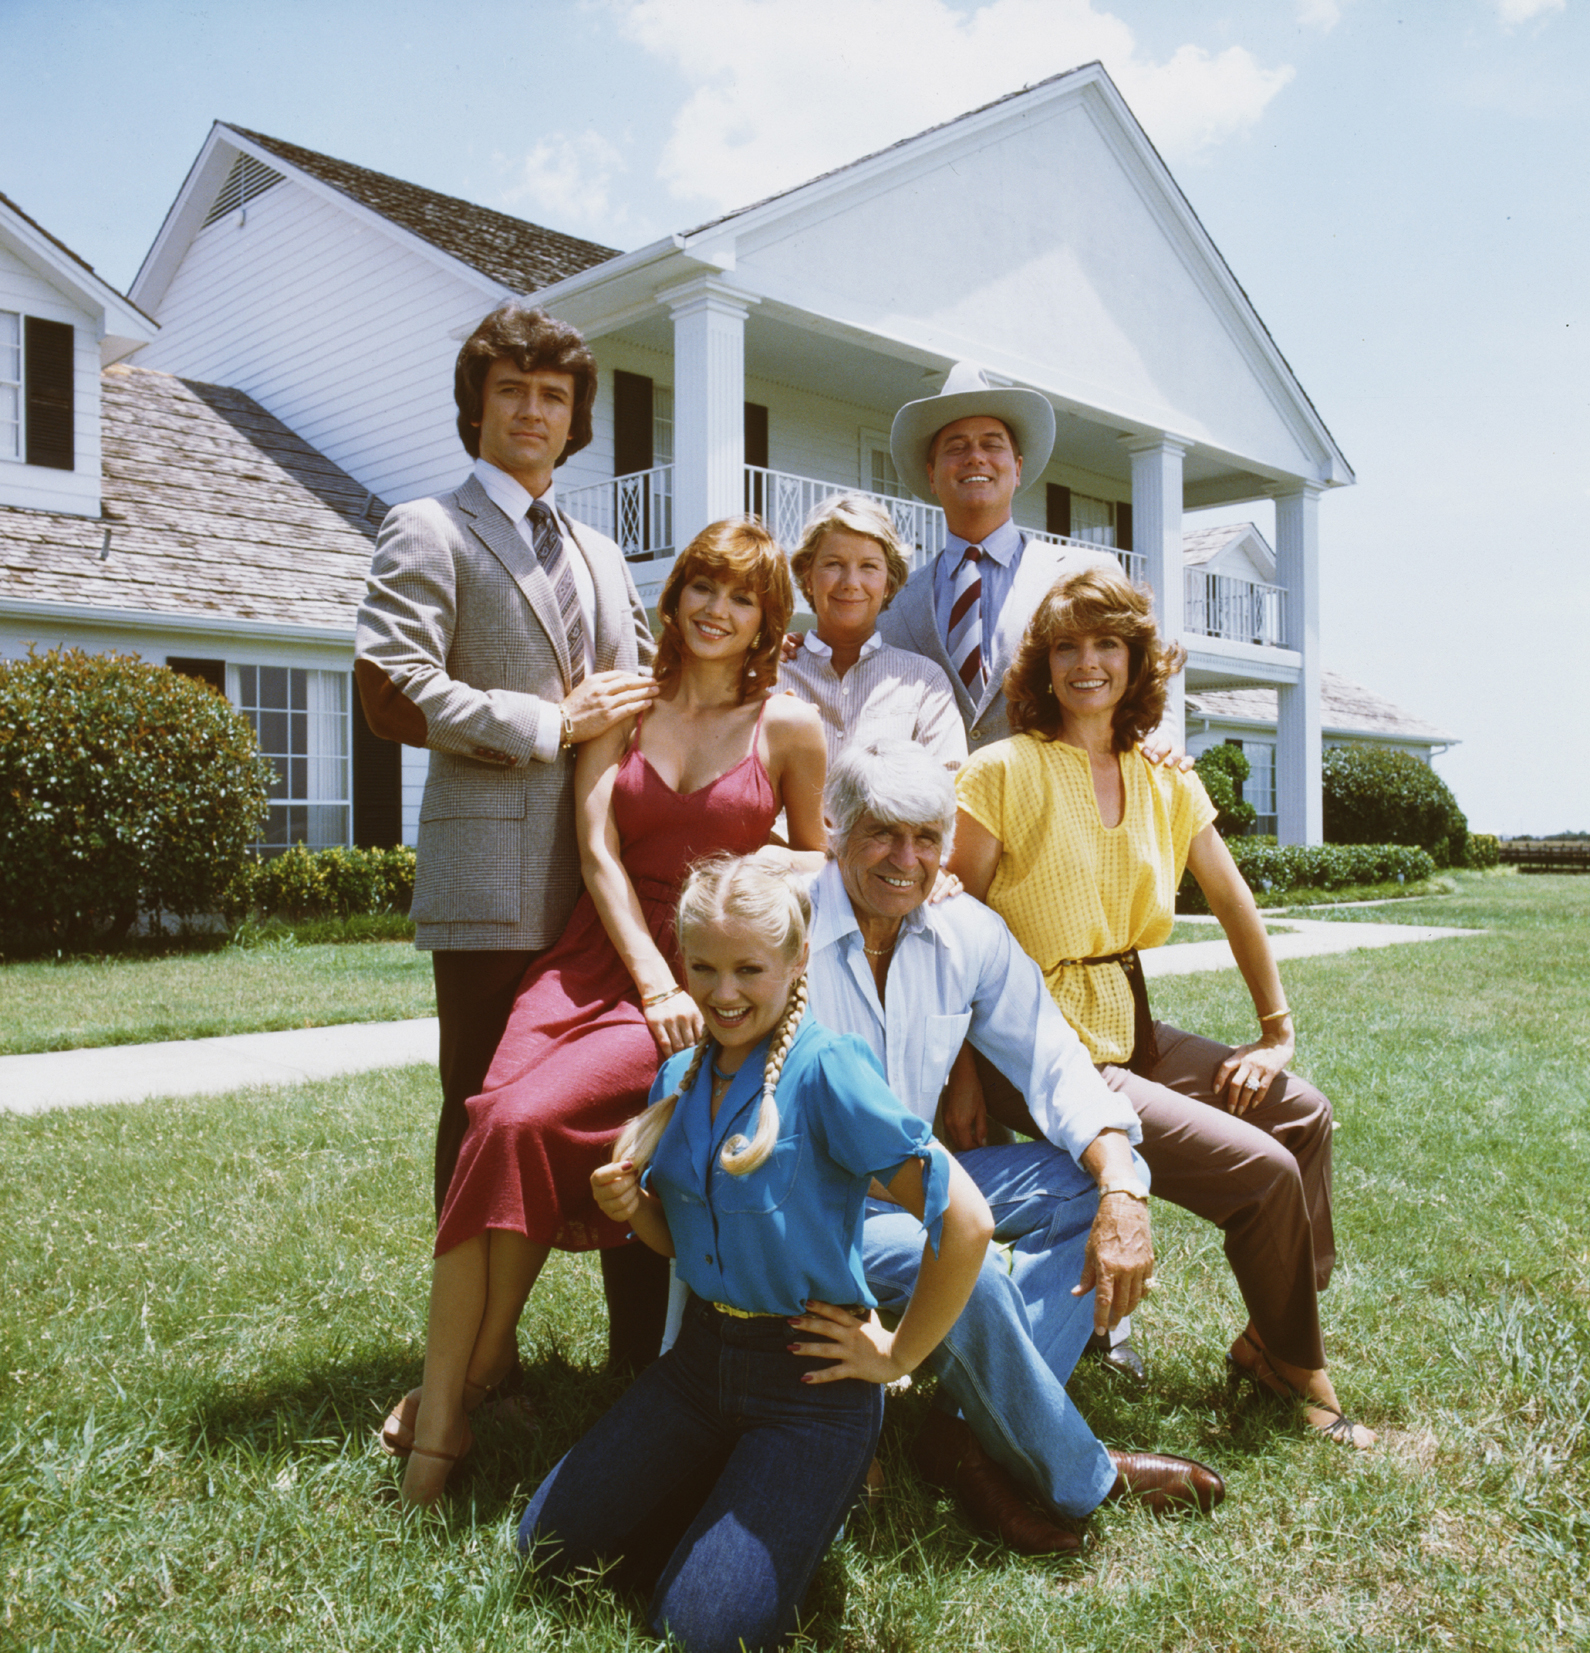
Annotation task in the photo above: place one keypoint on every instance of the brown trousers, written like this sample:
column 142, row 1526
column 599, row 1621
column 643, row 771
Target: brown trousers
column 1264, row 1179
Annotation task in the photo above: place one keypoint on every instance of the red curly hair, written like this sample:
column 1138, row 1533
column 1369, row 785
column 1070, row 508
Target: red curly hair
column 1091, row 603
column 737, row 548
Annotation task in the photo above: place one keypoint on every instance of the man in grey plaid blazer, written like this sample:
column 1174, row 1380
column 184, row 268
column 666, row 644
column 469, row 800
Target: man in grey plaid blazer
column 499, row 634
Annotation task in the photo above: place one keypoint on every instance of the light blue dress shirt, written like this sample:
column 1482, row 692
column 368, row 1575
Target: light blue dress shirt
column 791, row 1229
column 1001, row 556
column 958, row 973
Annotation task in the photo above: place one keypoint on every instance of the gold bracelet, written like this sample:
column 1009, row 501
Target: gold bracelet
column 646, row 1002
column 1275, row 1015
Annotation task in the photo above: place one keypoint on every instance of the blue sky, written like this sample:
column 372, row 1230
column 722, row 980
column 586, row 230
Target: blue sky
column 1403, row 190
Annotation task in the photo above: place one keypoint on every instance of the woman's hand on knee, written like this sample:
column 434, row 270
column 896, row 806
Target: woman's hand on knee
column 1245, row 1077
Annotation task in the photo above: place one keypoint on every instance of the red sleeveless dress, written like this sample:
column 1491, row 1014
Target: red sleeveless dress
column 577, row 1059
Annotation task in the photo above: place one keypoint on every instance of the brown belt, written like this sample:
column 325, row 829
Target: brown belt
column 1145, row 1051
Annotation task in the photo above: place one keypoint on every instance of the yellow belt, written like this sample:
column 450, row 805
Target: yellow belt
column 744, row 1314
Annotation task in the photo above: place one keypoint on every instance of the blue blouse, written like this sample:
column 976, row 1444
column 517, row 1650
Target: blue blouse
column 791, row 1229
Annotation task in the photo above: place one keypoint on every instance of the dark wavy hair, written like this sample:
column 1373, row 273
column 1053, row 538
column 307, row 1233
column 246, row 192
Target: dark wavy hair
column 737, row 548
column 535, row 343
column 1089, row 603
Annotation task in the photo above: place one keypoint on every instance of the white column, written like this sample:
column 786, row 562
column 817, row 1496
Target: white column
column 1300, row 813
column 1157, row 538
column 709, row 403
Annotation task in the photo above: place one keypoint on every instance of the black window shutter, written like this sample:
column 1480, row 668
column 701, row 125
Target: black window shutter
column 756, row 434
column 632, row 449
column 1123, row 526
column 377, row 785
column 47, row 351
column 212, row 672
column 1057, row 508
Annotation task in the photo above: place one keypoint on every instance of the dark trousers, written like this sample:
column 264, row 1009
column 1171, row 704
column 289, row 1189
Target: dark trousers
column 475, row 993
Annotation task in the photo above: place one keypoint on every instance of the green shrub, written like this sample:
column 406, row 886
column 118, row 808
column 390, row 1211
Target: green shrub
column 1223, row 769
column 329, row 883
column 124, row 788
column 1374, row 795
column 1484, row 849
column 1276, row 868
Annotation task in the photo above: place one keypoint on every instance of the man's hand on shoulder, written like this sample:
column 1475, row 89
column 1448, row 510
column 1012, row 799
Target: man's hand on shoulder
column 606, row 698
column 1163, row 752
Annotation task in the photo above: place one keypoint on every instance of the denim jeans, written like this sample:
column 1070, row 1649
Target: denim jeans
column 797, row 1455
column 1006, row 1359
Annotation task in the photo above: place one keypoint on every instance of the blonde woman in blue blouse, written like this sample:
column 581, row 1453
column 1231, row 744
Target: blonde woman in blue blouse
column 752, row 1172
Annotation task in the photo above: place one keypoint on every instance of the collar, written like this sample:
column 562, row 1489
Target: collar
column 1003, row 545
column 818, row 647
column 509, row 495
column 833, row 917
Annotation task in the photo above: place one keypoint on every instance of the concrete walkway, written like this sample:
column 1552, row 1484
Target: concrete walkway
column 196, row 1067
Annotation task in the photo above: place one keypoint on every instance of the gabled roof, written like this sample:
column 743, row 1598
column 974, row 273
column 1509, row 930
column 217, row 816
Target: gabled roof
column 519, row 254
column 1204, row 544
column 1346, row 708
column 213, row 508
column 123, row 318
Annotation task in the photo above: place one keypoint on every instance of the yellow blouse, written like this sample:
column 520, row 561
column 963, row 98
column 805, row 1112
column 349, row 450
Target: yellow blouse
column 1068, row 886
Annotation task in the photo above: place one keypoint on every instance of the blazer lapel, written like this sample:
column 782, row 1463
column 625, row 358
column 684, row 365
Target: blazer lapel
column 502, row 539
column 608, row 620
column 917, row 629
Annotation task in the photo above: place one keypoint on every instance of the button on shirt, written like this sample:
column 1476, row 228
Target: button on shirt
column 514, row 502
column 957, row 973
column 1001, row 555
column 791, row 1229
column 888, row 692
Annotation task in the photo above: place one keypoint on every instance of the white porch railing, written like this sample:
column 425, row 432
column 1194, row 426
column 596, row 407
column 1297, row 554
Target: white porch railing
column 637, row 511
column 1220, row 605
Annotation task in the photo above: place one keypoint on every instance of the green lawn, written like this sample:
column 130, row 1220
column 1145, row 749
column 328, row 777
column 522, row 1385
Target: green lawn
column 208, row 1304
column 134, row 999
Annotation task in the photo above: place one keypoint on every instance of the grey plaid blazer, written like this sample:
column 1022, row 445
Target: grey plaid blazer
column 909, row 623
column 458, row 645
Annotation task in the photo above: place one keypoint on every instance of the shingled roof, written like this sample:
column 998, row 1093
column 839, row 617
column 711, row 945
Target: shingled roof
column 519, row 254
column 1346, row 708
column 213, row 508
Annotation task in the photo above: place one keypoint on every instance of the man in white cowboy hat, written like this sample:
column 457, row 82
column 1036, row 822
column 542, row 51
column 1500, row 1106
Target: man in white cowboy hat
column 972, row 448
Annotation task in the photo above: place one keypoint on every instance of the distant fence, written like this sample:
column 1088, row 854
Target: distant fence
column 1547, row 855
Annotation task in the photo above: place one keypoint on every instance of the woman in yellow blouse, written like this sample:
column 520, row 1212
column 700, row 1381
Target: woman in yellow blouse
column 1078, row 842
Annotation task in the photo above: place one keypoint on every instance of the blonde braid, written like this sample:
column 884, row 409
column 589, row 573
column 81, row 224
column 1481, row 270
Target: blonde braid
column 740, row 1156
column 639, row 1138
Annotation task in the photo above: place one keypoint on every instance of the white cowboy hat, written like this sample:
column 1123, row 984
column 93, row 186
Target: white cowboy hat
column 967, row 392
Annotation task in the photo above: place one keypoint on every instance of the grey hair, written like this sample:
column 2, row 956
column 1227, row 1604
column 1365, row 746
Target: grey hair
column 854, row 514
column 893, row 780
column 775, row 903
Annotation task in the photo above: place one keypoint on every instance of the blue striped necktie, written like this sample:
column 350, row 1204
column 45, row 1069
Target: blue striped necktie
column 554, row 559
column 966, row 621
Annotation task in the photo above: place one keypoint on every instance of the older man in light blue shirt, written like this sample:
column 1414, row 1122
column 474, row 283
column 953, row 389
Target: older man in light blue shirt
column 916, row 982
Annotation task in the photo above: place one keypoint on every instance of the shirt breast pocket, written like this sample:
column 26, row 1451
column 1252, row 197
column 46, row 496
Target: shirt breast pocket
column 942, row 1038
column 763, row 1190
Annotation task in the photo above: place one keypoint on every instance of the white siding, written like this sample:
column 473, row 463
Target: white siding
column 416, row 766
column 37, row 487
column 343, row 332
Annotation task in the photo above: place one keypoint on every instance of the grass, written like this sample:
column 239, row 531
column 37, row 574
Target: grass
column 143, row 996
column 208, row 1304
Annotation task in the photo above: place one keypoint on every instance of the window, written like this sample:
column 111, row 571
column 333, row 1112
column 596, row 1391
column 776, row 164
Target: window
column 662, row 424
column 1259, row 788
column 878, row 475
column 1092, row 519
column 301, row 720
column 10, row 385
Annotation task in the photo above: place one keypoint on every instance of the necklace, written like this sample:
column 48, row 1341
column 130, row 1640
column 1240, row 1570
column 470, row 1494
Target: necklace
column 877, row 952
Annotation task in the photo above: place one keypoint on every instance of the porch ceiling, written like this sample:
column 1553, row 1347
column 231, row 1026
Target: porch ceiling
column 823, row 358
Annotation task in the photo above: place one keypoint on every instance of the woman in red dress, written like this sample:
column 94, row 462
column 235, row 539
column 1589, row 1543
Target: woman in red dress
column 706, row 769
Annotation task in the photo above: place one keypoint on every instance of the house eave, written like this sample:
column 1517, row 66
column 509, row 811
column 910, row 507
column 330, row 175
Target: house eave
column 174, row 622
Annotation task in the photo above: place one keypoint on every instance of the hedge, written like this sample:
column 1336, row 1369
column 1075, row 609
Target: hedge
column 1223, row 769
column 328, row 883
column 125, row 788
column 1374, row 795
column 1276, row 868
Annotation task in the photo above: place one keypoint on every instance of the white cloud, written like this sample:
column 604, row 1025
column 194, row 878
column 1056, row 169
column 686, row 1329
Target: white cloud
column 1323, row 15
column 783, row 92
column 1514, row 12
column 569, row 181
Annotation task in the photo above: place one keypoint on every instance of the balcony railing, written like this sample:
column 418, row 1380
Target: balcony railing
column 637, row 511
column 1220, row 605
